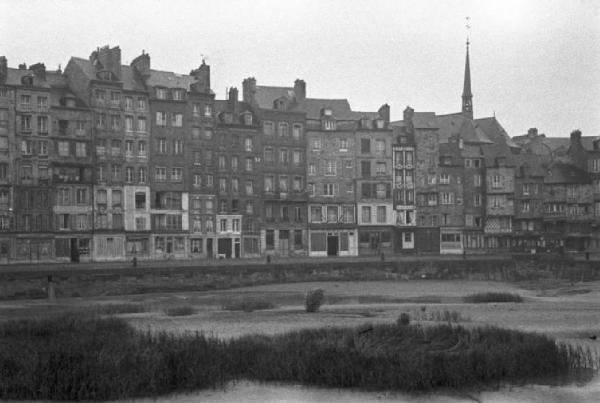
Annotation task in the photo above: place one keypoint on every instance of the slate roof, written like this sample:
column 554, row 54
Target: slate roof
column 559, row 173
column 131, row 82
column 169, row 79
column 265, row 95
column 495, row 131
column 14, row 77
column 457, row 123
column 533, row 164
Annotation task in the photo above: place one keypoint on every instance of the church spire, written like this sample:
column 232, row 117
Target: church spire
column 467, row 96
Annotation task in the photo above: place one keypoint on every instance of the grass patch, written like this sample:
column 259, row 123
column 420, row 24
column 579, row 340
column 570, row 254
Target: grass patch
column 181, row 310
column 247, row 304
column 75, row 358
column 485, row 297
column 439, row 316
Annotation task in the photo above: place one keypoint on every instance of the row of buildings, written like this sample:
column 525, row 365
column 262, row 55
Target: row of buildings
column 105, row 161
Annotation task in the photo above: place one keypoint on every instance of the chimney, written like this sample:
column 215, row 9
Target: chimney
column 384, row 112
column 249, row 90
column 202, row 76
column 233, row 98
column 532, row 132
column 108, row 59
column 141, row 64
column 300, row 90
column 407, row 117
column 39, row 69
column 3, row 69
column 23, row 66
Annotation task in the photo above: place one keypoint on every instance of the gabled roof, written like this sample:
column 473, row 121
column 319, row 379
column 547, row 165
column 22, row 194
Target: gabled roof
column 131, row 82
column 559, row 173
column 424, row 120
column 340, row 109
column 14, row 77
column 532, row 164
column 495, row 131
column 458, row 124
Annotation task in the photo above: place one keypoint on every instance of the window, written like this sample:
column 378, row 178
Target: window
column 525, row 207
column 116, row 172
column 64, row 196
column 381, row 214
column 222, row 185
column 283, row 183
column 311, row 189
column 160, row 173
column 477, row 180
column 283, row 129
column 365, row 146
column 268, row 154
column 329, row 189
column 161, row 119
column 298, row 243
column 366, row 214
column 161, row 93
column 235, row 186
column 297, row 184
column 129, row 123
column 100, row 173
column 42, row 102
column 330, row 168
column 115, row 122
column 284, row 214
column 129, row 177
column 316, row 214
column 447, row 198
column 161, row 146
column 380, row 146
column 222, row 162
column 249, row 164
column 129, row 103
column 297, row 131
column 177, row 94
column 329, row 124
column 142, row 148
column 365, row 168
column 270, row 239
column 332, row 214
column 197, row 180
column 207, row 111
column 142, row 175
column 63, row 148
column 25, row 122
column 80, row 149
column 25, row 101
column 177, row 120
column 42, row 124
column 248, row 144
column 316, row 144
column 344, row 145
column 27, row 147
column 178, row 147
column 209, row 181
column 312, row 169
column 525, row 189
column 296, row 157
column 128, row 147
column 284, row 156
column 348, row 164
column 444, row 179
column 177, row 174
column 496, row 181
column 268, row 128
column 141, row 127
column 477, row 200
column 380, row 168
column 142, row 104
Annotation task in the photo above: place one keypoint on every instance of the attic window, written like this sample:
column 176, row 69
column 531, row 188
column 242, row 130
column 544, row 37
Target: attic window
column 70, row 102
column 248, row 119
column 366, row 123
column 328, row 124
column 104, row 75
column 27, row 80
column 177, row 94
column 327, row 112
column 379, row 123
column 161, row 93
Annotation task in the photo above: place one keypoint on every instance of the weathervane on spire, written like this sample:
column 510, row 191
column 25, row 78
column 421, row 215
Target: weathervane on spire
column 468, row 30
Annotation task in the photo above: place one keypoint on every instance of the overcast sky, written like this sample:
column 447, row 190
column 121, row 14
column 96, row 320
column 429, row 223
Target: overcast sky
column 533, row 63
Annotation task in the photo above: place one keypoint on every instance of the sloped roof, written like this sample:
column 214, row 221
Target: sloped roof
column 340, row 109
column 534, row 165
column 169, row 79
column 266, row 95
column 566, row 173
column 458, row 124
column 495, row 131
column 14, row 77
column 128, row 77
column 424, row 120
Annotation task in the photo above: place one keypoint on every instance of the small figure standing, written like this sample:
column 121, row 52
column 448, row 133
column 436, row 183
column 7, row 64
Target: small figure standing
column 51, row 291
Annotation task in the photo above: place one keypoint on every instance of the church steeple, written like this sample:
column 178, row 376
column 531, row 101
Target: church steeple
column 467, row 96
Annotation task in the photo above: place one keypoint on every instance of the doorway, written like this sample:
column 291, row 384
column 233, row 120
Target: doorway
column 224, row 247
column 209, row 248
column 74, row 250
column 237, row 248
column 332, row 245
column 284, row 242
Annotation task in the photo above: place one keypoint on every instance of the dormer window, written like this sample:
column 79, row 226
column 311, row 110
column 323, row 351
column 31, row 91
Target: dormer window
column 227, row 117
column 104, row 75
column 366, row 123
column 161, row 93
column 70, row 102
column 248, row 119
column 279, row 104
column 379, row 123
column 327, row 112
column 27, row 80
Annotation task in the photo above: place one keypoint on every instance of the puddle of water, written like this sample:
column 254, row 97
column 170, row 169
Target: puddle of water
column 250, row 392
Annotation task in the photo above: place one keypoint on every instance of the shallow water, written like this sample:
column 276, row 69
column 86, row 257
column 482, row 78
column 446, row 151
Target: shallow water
column 250, row 392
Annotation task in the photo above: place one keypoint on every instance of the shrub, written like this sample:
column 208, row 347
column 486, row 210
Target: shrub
column 247, row 304
column 182, row 310
column 115, row 309
column 403, row 320
column 485, row 297
column 314, row 300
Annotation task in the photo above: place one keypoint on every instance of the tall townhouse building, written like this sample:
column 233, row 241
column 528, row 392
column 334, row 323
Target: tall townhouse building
column 451, row 196
column 34, row 240
column 201, row 163
column 238, row 159
column 528, row 225
column 98, row 81
column 283, row 155
column 171, row 129
column 71, row 163
column 403, row 188
column 568, row 208
column 374, row 202
column 500, row 180
column 8, row 148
